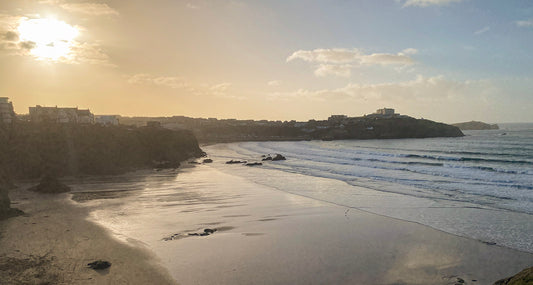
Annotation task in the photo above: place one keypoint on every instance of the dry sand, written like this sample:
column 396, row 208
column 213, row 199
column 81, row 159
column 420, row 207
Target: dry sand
column 53, row 242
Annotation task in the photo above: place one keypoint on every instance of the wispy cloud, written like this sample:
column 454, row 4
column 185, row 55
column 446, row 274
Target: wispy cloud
column 177, row 82
column 421, row 89
column 274, row 83
column 482, row 31
column 88, row 8
column 525, row 23
column 342, row 70
column 193, row 6
column 166, row 81
column 426, row 3
column 340, row 61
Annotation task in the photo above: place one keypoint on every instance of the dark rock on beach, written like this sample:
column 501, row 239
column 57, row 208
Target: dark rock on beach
column 207, row 160
column 278, row 157
column 267, row 158
column 253, row 164
column 524, row 277
column 166, row 164
column 99, row 264
column 235, row 162
column 50, row 185
column 5, row 203
column 206, row 232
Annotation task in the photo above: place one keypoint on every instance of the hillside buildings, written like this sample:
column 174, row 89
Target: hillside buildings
column 61, row 115
column 107, row 120
column 7, row 114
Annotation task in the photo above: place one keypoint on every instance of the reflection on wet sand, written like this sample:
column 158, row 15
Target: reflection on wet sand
column 265, row 236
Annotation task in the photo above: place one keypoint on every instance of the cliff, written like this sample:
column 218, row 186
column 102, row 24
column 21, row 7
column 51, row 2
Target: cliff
column 32, row 150
column 391, row 128
column 475, row 125
column 365, row 127
column 5, row 204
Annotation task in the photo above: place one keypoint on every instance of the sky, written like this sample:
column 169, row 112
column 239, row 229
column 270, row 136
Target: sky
column 444, row 60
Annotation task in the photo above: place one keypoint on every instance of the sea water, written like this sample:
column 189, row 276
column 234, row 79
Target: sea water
column 478, row 186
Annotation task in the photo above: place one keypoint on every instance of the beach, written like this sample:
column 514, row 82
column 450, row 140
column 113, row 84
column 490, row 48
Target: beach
column 141, row 224
column 53, row 243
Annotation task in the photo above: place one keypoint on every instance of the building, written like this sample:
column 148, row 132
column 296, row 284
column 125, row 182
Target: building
column 107, row 120
column 85, row 117
column 61, row 115
column 385, row 112
column 337, row 119
column 7, row 114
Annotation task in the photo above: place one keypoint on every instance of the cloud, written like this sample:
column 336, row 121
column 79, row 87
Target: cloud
column 274, row 83
column 176, row 82
column 166, row 81
column 343, row 70
column 93, row 9
column 525, row 23
column 340, row 61
column 27, row 45
column 426, row 3
column 90, row 53
column 192, row 6
column 10, row 36
column 336, row 55
column 408, row 51
column 88, row 8
column 482, row 31
column 422, row 89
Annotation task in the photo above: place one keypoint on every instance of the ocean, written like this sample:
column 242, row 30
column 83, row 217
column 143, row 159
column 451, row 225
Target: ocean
column 478, row 186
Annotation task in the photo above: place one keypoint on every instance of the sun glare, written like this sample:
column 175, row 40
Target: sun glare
column 53, row 39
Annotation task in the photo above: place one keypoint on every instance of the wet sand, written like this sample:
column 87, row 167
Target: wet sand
column 53, row 242
column 273, row 237
column 264, row 236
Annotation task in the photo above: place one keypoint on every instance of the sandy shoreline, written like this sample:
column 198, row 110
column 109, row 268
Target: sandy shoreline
column 266, row 236
column 54, row 241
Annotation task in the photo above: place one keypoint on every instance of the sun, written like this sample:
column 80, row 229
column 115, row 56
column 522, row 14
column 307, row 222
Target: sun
column 52, row 39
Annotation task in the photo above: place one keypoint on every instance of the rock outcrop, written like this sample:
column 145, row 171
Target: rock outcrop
column 476, row 125
column 5, row 203
column 524, row 277
column 50, row 185
column 34, row 149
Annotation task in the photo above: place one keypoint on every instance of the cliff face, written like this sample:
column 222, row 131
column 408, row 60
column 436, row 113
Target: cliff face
column 475, row 125
column 399, row 128
column 32, row 150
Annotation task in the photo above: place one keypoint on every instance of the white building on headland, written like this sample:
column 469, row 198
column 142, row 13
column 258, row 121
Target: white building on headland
column 107, row 120
column 385, row 112
column 61, row 115
column 7, row 114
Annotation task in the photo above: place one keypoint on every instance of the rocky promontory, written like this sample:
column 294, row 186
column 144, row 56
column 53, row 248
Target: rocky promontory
column 373, row 126
column 476, row 125
column 32, row 150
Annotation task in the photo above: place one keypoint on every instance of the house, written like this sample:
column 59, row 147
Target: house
column 385, row 112
column 107, row 120
column 61, row 115
column 85, row 117
column 7, row 114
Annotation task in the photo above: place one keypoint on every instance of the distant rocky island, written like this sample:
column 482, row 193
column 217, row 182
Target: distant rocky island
column 476, row 125
column 384, row 124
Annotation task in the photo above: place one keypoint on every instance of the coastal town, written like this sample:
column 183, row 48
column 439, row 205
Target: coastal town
column 384, row 123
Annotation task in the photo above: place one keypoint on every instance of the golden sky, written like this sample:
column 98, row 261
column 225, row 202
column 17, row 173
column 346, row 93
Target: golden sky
column 445, row 60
